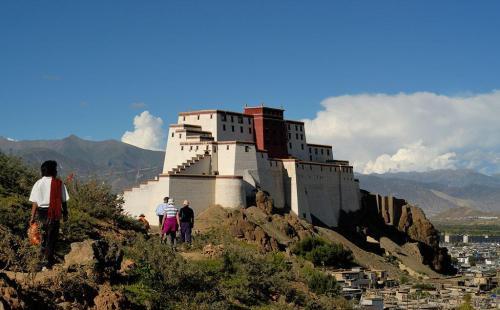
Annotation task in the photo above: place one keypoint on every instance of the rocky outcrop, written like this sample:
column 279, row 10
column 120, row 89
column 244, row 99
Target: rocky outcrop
column 270, row 231
column 103, row 258
column 109, row 299
column 9, row 295
column 401, row 222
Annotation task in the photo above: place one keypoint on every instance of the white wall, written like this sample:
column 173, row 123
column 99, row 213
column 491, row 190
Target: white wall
column 199, row 190
column 229, row 192
column 321, row 191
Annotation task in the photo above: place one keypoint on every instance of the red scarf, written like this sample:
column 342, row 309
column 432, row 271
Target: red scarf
column 55, row 205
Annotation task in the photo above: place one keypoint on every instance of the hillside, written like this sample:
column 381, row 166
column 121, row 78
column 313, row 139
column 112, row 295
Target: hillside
column 120, row 164
column 439, row 190
column 249, row 258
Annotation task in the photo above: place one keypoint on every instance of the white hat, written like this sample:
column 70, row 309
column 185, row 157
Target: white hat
column 171, row 201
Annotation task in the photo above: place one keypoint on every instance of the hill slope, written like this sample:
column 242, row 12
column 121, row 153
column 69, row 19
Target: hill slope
column 121, row 164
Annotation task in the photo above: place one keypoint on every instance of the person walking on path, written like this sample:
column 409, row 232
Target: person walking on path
column 49, row 198
column 170, row 223
column 160, row 211
column 186, row 218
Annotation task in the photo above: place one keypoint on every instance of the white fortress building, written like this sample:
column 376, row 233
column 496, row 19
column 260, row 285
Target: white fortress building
column 216, row 157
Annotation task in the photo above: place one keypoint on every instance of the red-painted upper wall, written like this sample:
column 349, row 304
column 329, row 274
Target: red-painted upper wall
column 270, row 130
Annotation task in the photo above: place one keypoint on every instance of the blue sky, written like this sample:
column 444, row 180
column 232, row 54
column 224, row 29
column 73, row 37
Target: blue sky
column 76, row 67
column 81, row 64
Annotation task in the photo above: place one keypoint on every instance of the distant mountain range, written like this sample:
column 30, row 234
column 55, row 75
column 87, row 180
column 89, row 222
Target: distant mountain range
column 439, row 191
column 122, row 165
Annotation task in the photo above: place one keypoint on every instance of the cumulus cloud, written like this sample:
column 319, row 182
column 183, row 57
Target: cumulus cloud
column 411, row 132
column 148, row 132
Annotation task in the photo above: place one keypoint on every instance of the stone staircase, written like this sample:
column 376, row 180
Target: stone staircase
column 180, row 169
column 188, row 164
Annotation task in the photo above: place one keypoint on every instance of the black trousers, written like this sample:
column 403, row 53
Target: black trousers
column 160, row 218
column 49, row 231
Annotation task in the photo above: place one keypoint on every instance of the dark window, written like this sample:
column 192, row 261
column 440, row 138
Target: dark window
column 182, row 148
column 224, row 117
column 289, row 136
column 232, row 118
column 227, row 147
column 288, row 126
column 310, row 157
column 172, row 134
column 290, row 144
column 211, row 116
column 250, row 130
column 297, row 136
column 247, row 148
column 321, row 151
column 180, row 136
column 215, row 149
column 301, row 137
column 302, row 146
column 240, row 119
column 327, row 152
column 310, row 150
column 296, row 127
column 249, row 120
column 300, row 128
column 183, row 118
column 241, row 129
column 191, row 148
column 232, row 128
column 223, row 126
column 197, row 147
column 316, row 151
column 198, row 117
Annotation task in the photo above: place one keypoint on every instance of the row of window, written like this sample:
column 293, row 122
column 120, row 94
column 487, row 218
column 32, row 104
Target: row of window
column 296, row 136
column 239, row 119
column 241, row 128
column 196, row 148
column 297, row 127
column 336, row 169
column 225, row 118
column 321, row 150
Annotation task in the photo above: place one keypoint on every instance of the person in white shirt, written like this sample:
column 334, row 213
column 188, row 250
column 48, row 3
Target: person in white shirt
column 49, row 198
column 160, row 210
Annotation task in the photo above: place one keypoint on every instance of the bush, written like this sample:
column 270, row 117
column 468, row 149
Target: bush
column 321, row 253
column 320, row 282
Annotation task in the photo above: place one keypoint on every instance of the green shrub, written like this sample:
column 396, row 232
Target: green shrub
column 320, row 282
column 321, row 253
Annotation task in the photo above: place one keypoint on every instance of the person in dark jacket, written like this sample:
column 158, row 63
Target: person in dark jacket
column 186, row 218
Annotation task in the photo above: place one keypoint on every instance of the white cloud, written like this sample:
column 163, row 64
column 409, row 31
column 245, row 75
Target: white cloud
column 11, row 139
column 148, row 132
column 411, row 132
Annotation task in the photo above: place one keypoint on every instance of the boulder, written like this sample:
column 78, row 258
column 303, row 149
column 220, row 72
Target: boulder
column 102, row 258
column 109, row 299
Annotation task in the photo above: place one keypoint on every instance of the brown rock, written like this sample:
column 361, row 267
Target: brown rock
column 108, row 299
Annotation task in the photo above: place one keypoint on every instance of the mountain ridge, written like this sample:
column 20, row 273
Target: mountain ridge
column 438, row 190
column 121, row 164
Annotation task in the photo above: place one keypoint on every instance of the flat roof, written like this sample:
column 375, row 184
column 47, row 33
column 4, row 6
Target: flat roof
column 212, row 112
column 319, row 145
